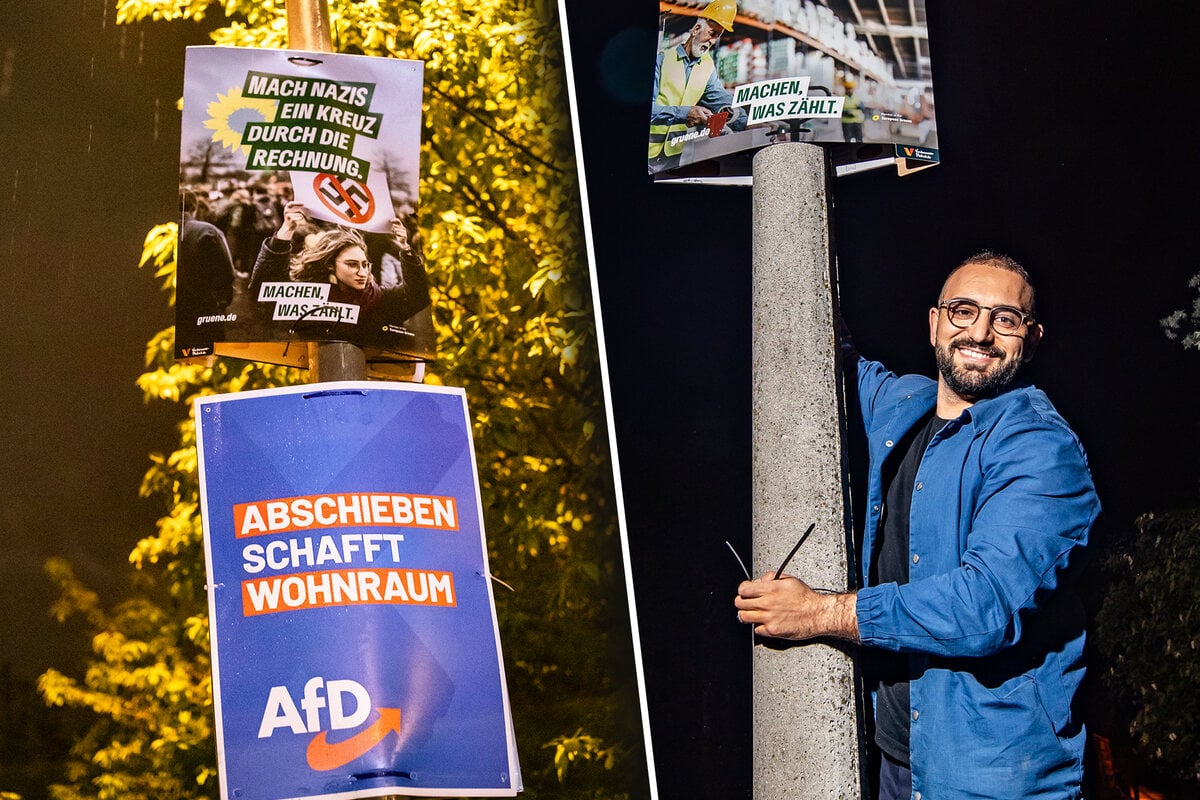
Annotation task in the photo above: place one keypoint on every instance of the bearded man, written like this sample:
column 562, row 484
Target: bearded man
column 687, row 89
column 979, row 503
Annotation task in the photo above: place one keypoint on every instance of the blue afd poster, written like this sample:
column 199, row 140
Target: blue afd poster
column 354, row 639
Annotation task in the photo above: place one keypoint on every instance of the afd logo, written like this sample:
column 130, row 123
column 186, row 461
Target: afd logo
column 345, row 703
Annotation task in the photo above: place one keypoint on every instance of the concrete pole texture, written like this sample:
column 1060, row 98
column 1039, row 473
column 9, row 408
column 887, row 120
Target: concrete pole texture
column 806, row 726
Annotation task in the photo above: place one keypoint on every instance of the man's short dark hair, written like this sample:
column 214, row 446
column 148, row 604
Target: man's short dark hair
column 988, row 258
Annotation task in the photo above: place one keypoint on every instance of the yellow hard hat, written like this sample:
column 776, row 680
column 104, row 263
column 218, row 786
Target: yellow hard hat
column 722, row 12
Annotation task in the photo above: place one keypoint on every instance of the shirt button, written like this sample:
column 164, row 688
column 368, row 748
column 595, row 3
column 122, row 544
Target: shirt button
column 920, row 486
column 888, row 443
column 916, row 796
column 916, row 714
column 916, row 557
column 875, row 508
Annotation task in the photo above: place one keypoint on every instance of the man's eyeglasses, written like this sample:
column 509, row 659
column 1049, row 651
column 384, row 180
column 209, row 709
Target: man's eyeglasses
column 1005, row 320
column 356, row 266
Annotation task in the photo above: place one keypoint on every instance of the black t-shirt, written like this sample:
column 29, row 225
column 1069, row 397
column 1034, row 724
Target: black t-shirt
column 891, row 566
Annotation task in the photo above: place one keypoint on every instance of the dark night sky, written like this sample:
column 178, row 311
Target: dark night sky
column 89, row 138
column 1065, row 141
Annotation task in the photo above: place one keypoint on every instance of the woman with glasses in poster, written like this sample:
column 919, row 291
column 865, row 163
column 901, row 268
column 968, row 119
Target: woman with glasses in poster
column 337, row 258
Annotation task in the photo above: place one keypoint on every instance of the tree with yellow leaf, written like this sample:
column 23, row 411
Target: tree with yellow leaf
column 500, row 216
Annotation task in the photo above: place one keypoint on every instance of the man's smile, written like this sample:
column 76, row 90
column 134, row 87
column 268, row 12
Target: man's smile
column 976, row 354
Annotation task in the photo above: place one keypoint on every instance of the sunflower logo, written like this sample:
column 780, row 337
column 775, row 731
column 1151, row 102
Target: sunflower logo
column 230, row 112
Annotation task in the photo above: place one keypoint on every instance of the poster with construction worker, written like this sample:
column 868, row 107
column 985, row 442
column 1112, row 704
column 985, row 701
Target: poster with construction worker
column 352, row 623
column 298, row 199
column 733, row 76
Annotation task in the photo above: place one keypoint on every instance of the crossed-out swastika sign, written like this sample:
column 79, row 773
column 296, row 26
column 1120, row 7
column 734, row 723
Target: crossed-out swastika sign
column 347, row 198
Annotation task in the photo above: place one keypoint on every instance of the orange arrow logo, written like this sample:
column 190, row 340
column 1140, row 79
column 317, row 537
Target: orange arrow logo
column 323, row 756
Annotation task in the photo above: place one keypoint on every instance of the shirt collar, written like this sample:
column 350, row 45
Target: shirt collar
column 983, row 413
column 687, row 59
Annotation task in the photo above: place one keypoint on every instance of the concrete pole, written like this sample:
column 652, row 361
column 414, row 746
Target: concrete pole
column 308, row 29
column 806, row 728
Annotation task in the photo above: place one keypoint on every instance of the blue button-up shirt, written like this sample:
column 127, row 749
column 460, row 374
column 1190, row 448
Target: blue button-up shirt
column 1002, row 506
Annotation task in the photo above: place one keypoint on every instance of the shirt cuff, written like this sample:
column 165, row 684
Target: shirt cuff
column 869, row 609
